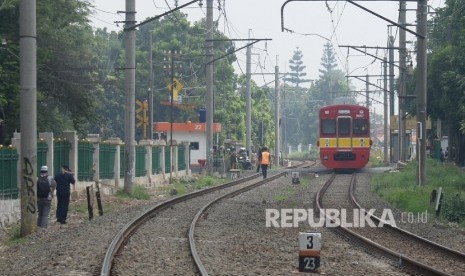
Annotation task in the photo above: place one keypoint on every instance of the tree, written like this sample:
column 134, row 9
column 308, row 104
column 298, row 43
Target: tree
column 332, row 82
column 66, row 66
column 297, row 69
column 446, row 75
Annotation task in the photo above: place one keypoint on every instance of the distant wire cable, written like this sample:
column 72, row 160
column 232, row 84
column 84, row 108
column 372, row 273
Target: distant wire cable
column 334, row 34
column 229, row 26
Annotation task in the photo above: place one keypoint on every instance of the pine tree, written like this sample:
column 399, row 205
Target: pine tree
column 296, row 67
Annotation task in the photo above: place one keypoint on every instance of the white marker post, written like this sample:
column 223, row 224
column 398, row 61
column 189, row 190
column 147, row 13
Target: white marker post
column 309, row 251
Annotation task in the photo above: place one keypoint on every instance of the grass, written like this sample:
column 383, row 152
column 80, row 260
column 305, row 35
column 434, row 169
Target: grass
column 285, row 195
column 15, row 237
column 208, row 181
column 376, row 158
column 292, row 190
column 314, row 154
column 138, row 193
column 401, row 190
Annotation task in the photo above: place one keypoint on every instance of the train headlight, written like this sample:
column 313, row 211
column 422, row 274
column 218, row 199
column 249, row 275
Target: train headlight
column 325, row 157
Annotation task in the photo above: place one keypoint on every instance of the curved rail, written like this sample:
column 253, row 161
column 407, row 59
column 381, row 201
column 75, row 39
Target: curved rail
column 404, row 261
column 438, row 246
column 122, row 235
column 195, row 255
column 130, row 227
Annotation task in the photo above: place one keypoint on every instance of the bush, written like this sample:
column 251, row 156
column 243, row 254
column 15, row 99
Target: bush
column 453, row 208
column 401, row 189
column 205, row 182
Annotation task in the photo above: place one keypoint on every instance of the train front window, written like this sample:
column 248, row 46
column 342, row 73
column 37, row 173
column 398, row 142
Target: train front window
column 343, row 126
column 360, row 126
column 328, row 126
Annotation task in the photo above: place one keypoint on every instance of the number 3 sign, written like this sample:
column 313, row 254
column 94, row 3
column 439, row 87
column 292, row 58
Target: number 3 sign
column 309, row 252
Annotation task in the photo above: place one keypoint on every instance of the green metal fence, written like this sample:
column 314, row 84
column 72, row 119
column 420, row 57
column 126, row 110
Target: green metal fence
column 61, row 150
column 8, row 169
column 85, row 161
column 167, row 159
column 181, row 158
column 107, row 161
column 42, row 149
column 122, row 162
column 140, row 161
column 156, row 164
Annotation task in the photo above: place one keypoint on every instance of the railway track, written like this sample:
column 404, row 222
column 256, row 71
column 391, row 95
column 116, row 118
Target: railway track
column 414, row 254
column 166, row 225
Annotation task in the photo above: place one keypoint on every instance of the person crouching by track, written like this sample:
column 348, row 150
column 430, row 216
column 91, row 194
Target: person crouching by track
column 265, row 161
column 45, row 188
column 64, row 181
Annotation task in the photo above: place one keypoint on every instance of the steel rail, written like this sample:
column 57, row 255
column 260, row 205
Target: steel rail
column 193, row 248
column 447, row 250
column 123, row 235
column 125, row 232
column 404, row 261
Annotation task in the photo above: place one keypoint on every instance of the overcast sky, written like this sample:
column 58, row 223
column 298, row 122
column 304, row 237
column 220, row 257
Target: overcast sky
column 312, row 22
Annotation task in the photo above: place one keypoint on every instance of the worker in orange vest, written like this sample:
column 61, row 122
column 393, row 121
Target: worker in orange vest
column 265, row 161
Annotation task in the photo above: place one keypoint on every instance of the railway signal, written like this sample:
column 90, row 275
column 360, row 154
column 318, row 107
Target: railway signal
column 141, row 115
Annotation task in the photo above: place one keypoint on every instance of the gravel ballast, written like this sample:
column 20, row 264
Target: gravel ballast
column 232, row 240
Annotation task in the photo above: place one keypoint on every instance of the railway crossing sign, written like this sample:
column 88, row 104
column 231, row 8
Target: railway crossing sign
column 309, row 251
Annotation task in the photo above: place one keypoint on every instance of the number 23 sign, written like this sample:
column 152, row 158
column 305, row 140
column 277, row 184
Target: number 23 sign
column 309, row 252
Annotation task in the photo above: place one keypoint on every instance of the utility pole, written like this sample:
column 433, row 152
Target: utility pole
column 276, row 112
column 421, row 90
column 386, row 134
column 367, row 89
column 130, row 93
column 402, row 86
column 28, row 116
column 150, row 90
column 172, row 88
column 209, row 84
column 248, row 100
column 171, row 116
column 391, row 90
column 391, row 75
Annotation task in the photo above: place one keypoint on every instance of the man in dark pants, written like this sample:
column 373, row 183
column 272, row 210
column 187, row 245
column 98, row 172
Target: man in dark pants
column 63, row 180
column 44, row 197
column 265, row 161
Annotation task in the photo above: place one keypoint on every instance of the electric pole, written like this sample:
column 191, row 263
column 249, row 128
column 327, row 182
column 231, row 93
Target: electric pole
column 248, row 100
column 172, row 87
column 367, row 89
column 276, row 112
column 28, row 115
column 421, row 90
column 391, row 88
column 402, row 86
column 209, row 85
column 150, row 90
column 130, row 93
column 386, row 125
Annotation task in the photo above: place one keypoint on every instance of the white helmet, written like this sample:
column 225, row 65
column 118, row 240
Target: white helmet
column 44, row 169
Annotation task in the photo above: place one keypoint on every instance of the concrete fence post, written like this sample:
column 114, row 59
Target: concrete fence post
column 48, row 138
column 116, row 167
column 95, row 140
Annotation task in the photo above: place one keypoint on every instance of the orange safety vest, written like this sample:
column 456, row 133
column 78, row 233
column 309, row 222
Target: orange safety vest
column 265, row 158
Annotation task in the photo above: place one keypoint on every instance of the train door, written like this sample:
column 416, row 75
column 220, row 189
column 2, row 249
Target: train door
column 344, row 140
